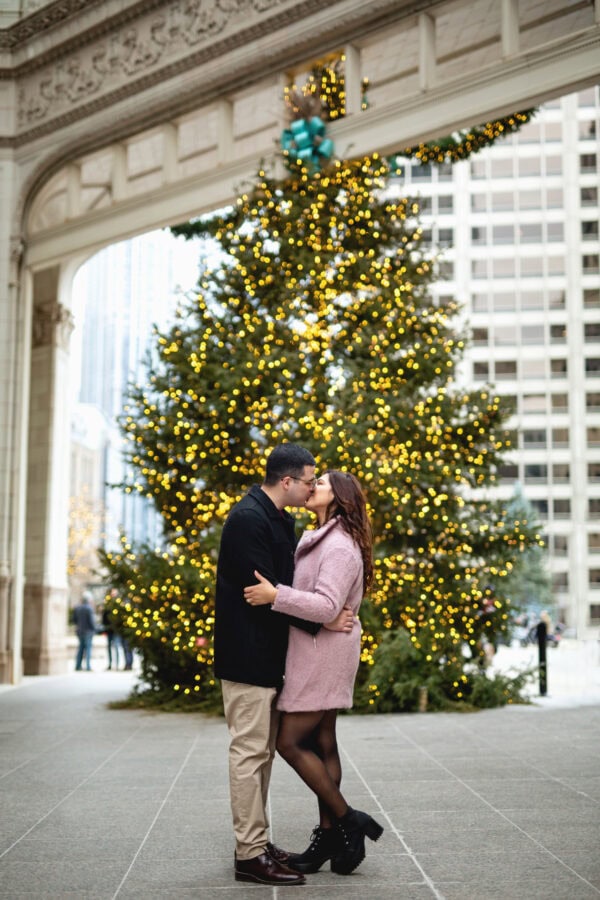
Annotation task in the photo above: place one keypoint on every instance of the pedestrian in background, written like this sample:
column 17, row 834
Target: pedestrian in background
column 85, row 628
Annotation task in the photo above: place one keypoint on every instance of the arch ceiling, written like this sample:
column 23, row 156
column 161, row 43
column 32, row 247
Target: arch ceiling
column 168, row 108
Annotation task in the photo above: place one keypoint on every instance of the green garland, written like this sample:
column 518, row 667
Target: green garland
column 463, row 144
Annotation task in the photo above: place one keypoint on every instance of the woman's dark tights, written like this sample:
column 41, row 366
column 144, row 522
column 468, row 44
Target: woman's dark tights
column 307, row 741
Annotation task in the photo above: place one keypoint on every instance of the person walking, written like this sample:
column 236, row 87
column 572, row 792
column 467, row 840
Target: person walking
column 334, row 568
column 250, row 647
column 113, row 640
column 85, row 628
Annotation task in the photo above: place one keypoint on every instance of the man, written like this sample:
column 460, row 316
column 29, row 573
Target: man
column 250, row 650
column 85, row 626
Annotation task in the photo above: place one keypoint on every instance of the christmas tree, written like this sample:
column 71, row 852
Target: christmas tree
column 317, row 325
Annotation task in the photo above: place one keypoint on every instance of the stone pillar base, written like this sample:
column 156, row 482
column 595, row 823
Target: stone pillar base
column 49, row 662
column 45, row 630
column 7, row 672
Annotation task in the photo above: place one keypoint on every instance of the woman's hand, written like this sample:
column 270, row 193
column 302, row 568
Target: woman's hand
column 260, row 594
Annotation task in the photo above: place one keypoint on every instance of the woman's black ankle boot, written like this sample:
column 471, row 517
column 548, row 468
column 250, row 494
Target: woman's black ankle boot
column 353, row 828
column 324, row 844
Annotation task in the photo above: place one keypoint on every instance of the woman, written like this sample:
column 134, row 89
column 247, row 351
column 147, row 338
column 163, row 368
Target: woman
column 334, row 568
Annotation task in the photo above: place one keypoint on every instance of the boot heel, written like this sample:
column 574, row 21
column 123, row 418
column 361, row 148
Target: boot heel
column 373, row 830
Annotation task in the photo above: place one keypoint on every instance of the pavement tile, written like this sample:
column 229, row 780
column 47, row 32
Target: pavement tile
column 500, row 804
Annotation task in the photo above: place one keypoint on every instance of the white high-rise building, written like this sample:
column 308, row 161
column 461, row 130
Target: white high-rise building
column 119, row 294
column 517, row 229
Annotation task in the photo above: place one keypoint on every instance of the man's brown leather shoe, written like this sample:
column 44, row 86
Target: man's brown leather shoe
column 279, row 855
column 264, row 869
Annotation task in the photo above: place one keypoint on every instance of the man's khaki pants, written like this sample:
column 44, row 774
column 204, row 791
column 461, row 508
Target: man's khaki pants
column 252, row 721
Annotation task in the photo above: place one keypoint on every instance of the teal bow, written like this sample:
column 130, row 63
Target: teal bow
column 305, row 141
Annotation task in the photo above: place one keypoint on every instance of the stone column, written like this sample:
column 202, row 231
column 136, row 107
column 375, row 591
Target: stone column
column 14, row 394
column 45, row 596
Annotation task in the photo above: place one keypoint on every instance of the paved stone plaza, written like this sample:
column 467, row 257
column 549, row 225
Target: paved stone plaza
column 100, row 803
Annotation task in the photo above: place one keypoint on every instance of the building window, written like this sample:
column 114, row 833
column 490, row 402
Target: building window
column 445, row 172
column 445, row 237
column 594, row 578
column 534, row 403
column 421, row 172
column 531, row 300
column 532, row 267
column 506, row 369
column 479, row 235
column 553, row 131
column 504, row 302
column 534, row 437
column 501, row 168
column 478, row 168
column 591, row 331
column 592, row 402
column 560, row 545
column 554, row 231
column 554, row 198
column 562, row 509
column 505, row 336
column 594, row 507
column 532, row 334
column 480, row 336
column 446, row 270
column 530, row 199
column 529, row 165
column 553, row 165
column 478, row 202
column 560, row 581
column 541, row 508
column 533, row 368
column 424, row 204
column 560, row 473
column 445, row 203
column 592, row 367
column 587, row 130
column 502, row 201
column 479, row 268
column 594, row 613
column 589, row 196
column 587, row 97
column 530, row 133
column 556, row 300
column 593, row 470
column 558, row 334
column 558, row 368
column 593, row 436
column 591, row 298
column 587, row 162
column 508, row 472
column 503, row 234
column 589, row 230
column 481, row 371
column 480, row 302
column 556, row 265
column 536, row 473
column 559, row 402
column 503, row 268
column 531, row 234
column 594, row 542
column 560, row 437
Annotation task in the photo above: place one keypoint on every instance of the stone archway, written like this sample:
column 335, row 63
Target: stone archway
column 127, row 116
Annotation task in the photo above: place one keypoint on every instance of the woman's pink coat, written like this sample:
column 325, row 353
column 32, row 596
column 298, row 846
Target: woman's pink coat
column 320, row 670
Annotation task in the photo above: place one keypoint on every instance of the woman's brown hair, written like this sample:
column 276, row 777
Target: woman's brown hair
column 350, row 505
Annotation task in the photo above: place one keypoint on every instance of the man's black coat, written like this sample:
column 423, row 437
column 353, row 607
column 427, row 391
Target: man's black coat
column 251, row 641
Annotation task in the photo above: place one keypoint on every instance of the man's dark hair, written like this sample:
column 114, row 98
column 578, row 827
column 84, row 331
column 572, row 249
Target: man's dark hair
column 287, row 459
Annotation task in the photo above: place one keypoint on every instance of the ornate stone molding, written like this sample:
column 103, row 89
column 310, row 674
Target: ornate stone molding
column 131, row 51
column 52, row 325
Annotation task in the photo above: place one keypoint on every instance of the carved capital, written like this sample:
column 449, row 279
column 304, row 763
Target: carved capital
column 52, row 325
